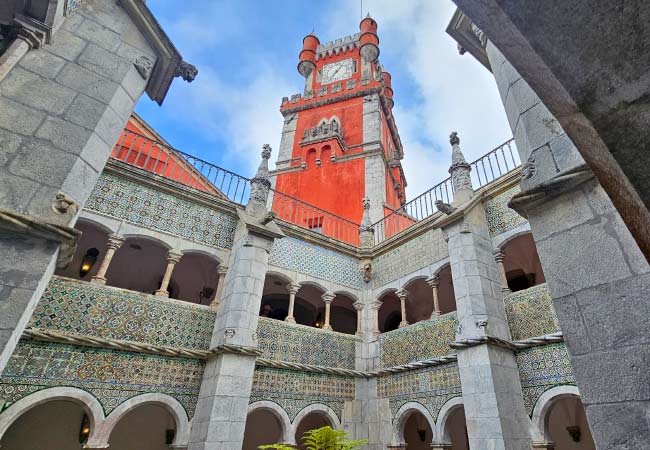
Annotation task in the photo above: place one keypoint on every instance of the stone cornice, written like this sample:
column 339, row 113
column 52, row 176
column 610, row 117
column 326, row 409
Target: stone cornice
column 460, row 29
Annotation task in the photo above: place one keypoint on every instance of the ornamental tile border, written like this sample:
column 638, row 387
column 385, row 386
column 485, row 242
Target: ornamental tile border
column 161, row 211
column 540, row 369
column 310, row 259
column 432, row 387
column 110, row 375
column 423, row 340
column 294, row 390
column 530, row 313
column 305, row 345
column 500, row 217
column 96, row 310
column 409, row 257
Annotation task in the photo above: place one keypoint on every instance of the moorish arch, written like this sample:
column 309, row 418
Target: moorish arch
column 267, row 423
column 90, row 250
column 414, row 426
column 450, row 425
column 311, row 417
column 58, row 413
column 521, row 263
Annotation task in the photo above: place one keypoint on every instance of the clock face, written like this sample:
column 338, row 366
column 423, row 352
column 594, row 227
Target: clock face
column 337, row 71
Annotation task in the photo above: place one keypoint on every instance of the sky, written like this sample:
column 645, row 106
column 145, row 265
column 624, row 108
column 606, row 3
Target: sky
column 246, row 52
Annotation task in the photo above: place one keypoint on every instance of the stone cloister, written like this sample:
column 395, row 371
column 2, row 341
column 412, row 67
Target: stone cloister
column 150, row 299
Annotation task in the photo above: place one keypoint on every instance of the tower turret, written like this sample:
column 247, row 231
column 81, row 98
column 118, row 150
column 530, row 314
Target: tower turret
column 368, row 39
column 307, row 58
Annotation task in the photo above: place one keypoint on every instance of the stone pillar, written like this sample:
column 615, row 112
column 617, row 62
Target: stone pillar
column 498, row 257
column 588, row 255
column 114, row 242
column 222, row 406
column 492, row 396
column 63, row 105
column 373, row 309
column 441, row 446
column 293, row 290
column 221, row 272
column 172, row 259
column 328, row 298
column 434, row 282
column 403, row 295
column 358, row 306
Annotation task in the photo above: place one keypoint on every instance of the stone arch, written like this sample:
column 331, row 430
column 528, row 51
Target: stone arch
column 172, row 405
column 502, row 243
column 441, row 431
column 198, row 251
column 543, row 405
column 315, row 284
column 160, row 240
column 347, row 294
column 520, row 260
column 318, row 408
column 85, row 399
column 385, row 291
column 279, row 413
column 282, row 276
column 403, row 414
column 95, row 223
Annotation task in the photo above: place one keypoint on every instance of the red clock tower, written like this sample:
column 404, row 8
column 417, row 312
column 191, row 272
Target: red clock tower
column 339, row 140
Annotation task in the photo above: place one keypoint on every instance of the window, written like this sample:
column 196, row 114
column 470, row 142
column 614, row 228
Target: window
column 319, row 75
column 354, row 65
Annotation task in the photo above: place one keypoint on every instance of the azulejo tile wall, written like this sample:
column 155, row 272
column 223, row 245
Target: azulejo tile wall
column 530, row 313
column 294, row 390
column 432, row 387
column 110, row 375
column 541, row 368
column 91, row 309
column 409, row 257
column 500, row 218
column 306, row 345
column 161, row 211
column 314, row 260
column 423, row 340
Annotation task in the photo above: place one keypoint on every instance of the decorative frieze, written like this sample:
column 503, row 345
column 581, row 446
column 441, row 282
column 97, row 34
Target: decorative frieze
column 500, row 217
column 423, row 340
column 530, row 313
column 158, row 210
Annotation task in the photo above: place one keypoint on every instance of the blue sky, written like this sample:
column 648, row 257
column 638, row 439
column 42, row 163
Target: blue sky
column 247, row 51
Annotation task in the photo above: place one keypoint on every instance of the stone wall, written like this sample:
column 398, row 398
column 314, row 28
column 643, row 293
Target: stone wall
column 305, row 345
column 71, row 306
column 423, row 340
column 530, row 313
column 159, row 210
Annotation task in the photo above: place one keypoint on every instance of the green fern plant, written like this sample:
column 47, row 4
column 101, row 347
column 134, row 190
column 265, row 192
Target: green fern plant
column 325, row 438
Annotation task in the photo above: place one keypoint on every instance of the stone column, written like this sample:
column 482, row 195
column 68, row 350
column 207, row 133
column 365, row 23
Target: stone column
column 172, row 259
column 403, row 295
column 492, row 396
column 328, row 298
column 222, row 406
column 221, row 272
column 588, row 255
column 114, row 242
column 434, row 282
column 373, row 308
column 293, row 290
column 441, row 446
column 358, row 306
column 498, row 257
column 63, row 105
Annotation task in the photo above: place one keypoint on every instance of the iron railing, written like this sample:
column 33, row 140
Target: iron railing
column 291, row 210
column 161, row 159
column 487, row 168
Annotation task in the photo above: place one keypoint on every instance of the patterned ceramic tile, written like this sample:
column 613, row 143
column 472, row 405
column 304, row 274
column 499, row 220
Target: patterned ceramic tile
column 96, row 310
column 319, row 262
column 306, row 345
column 160, row 211
column 541, row 368
column 110, row 375
column 431, row 387
column 71, row 6
column 530, row 313
column 294, row 390
column 409, row 257
column 500, row 218
column 423, row 340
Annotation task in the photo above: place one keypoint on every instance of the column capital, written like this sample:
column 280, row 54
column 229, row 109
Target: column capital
column 498, row 255
column 173, row 256
column 375, row 305
column 433, row 281
column 358, row 306
column 222, row 270
column 115, row 241
column 441, row 446
column 402, row 293
column 328, row 297
column 293, row 288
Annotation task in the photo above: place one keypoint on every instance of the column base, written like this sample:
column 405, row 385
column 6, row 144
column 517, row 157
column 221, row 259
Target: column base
column 327, row 327
column 403, row 323
column 441, row 446
column 160, row 293
column 396, row 447
column 98, row 280
column 214, row 305
column 435, row 314
column 543, row 445
column 290, row 319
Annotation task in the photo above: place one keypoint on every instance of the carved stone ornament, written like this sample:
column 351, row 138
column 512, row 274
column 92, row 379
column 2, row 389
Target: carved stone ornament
column 482, row 38
column 64, row 205
column 323, row 131
column 144, row 64
column 444, row 208
column 229, row 333
column 465, row 228
column 366, row 272
column 445, row 235
column 528, row 169
column 260, row 184
column 186, row 71
column 481, row 323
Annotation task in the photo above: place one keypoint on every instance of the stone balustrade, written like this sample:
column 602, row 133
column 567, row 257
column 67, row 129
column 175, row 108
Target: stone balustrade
column 530, row 313
column 423, row 340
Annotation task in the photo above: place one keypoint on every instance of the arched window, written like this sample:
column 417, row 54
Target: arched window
column 521, row 263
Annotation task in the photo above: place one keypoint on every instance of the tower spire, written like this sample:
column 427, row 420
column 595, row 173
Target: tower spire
column 460, row 172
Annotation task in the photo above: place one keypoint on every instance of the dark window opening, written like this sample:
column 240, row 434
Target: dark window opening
column 518, row 280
